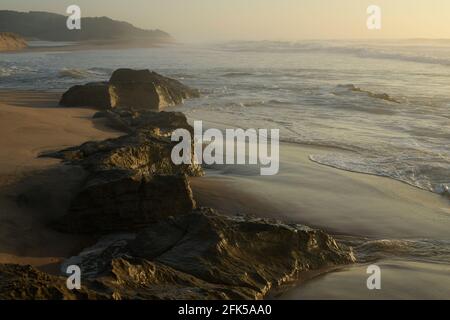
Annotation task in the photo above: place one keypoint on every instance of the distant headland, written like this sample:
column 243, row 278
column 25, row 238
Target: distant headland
column 48, row 26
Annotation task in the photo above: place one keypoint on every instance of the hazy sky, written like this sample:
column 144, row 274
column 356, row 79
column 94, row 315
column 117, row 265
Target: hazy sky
column 218, row 20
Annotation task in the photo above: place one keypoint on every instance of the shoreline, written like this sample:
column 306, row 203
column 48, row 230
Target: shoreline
column 91, row 45
column 326, row 198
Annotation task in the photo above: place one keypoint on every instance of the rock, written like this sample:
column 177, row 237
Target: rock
column 27, row 283
column 142, row 89
column 127, row 88
column 131, row 179
column 129, row 120
column 240, row 252
column 11, row 42
column 94, row 94
column 128, row 203
column 205, row 255
column 132, row 278
column 144, row 152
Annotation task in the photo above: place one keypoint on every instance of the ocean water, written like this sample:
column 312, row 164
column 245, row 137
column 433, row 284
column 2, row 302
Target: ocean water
column 384, row 107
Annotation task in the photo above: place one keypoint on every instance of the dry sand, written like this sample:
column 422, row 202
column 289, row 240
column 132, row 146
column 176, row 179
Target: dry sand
column 35, row 190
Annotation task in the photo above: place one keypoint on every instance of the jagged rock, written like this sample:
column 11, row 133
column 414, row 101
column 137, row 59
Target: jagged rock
column 145, row 153
column 142, row 89
column 139, row 89
column 131, row 179
column 27, row 283
column 130, row 120
column 128, row 203
column 94, row 94
column 238, row 251
column 205, row 255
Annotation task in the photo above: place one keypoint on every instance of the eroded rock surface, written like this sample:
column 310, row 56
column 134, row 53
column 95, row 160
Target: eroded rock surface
column 132, row 180
column 127, row 88
column 142, row 89
column 206, row 255
column 27, row 283
column 155, row 243
column 94, row 94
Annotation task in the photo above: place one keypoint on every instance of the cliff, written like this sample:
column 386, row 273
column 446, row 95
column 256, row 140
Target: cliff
column 11, row 42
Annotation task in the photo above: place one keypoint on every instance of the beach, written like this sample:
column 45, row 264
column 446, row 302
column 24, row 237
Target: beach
column 400, row 228
column 36, row 190
column 363, row 210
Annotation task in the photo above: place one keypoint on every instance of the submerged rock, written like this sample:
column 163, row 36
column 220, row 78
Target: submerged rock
column 127, row 88
column 381, row 96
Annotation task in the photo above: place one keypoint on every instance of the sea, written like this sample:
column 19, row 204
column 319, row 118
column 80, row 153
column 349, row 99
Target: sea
column 383, row 106
column 376, row 107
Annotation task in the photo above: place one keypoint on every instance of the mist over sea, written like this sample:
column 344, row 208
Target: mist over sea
column 383, row 106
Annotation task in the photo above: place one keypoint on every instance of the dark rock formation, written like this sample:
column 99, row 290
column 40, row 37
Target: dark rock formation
column 27, row 283
column 238, row 252
column 132, row 180
column 142, row 89
column 128, row 203
column 158, row 245
column 205, row 255
column 131, row 121
column 11, row 42
column 94, row 94
column 132, row 89
column 382, row 96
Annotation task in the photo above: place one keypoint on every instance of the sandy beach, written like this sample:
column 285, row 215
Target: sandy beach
column 366, row 208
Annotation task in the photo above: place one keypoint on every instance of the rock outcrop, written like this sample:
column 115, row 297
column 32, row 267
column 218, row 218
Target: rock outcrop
column 155, row 242
column 142, row 89
column 11, row 42
column 127, row 88
column 199, row 255
column 132, row 180
column 27, row 283
column 94, row 94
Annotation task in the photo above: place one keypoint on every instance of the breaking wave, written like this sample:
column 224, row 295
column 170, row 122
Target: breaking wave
column 388, row 50
column 420, row 249
column 82, row 73
column 431, row 175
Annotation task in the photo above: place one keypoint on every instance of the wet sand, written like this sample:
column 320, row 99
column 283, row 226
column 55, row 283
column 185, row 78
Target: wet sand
column 335, row 200
column 402, row 229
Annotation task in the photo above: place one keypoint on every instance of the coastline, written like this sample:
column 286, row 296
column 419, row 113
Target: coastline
column 90, row 45
column 327, row 198
column 32, row 124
